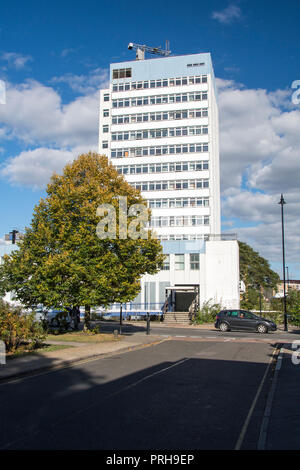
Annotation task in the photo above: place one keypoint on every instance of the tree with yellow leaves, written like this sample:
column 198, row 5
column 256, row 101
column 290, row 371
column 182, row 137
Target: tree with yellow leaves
column 63, row 262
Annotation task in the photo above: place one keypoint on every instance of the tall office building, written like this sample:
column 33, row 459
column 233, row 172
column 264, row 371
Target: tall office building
column 159, row 127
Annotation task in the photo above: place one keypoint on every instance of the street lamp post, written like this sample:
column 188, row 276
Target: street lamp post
column 282, row 203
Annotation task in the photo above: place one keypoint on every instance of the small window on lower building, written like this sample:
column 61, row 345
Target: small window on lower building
column 194, row 261
column 166, row 265
column 179, row 262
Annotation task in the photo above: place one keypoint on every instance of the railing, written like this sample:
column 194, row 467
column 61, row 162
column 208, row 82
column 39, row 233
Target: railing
column 132, row 309
column 221, row 237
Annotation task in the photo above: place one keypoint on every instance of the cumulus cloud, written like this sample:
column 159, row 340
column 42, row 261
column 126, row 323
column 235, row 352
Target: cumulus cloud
column 34, row 167
column 85, row 84
column 259, row 142
column 34, row 114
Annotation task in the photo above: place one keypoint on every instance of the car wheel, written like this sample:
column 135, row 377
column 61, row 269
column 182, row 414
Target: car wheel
column 223, row 327
column 262, row 329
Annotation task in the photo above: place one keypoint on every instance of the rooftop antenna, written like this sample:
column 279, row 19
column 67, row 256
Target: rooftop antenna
column 141, row 49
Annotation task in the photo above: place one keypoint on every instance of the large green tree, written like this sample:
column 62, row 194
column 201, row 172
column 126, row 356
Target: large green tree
column 256, row 273
column 61, row 261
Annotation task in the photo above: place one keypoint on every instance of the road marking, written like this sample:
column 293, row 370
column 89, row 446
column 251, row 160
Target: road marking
column 265, row 422
column 246, row 423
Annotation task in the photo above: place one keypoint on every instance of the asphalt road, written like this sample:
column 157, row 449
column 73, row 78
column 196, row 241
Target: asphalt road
column 180, row 394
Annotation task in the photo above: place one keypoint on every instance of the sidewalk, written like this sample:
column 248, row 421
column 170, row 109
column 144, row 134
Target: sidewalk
column 157, row 324
column 43, row 361
column 283, row 416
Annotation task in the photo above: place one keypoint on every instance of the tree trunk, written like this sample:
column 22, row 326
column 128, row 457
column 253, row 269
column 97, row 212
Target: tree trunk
column 87, row 317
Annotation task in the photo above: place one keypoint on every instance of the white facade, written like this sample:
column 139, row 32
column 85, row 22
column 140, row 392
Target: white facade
column 159, row 127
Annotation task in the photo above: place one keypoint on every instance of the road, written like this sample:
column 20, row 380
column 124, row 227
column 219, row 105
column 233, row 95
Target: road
column 184, row 393
column 205, row 333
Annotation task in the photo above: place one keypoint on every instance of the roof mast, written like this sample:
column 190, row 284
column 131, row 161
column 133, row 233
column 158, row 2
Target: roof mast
column 142, row 48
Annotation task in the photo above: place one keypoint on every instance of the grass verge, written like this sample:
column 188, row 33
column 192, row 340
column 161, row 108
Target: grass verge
column 25, row 350
column 82, row 337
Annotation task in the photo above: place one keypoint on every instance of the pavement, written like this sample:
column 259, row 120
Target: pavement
column 42, row 361
column 281, row 424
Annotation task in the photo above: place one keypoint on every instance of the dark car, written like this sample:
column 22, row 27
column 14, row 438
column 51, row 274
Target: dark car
column 227, row 320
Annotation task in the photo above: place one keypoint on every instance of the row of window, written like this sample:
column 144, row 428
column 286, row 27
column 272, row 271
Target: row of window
column 179, row 221
column 157, row 133
column 158, row 116
column 160, row 83
column 158, row 150
column 178, row 202
column 170, row 185
column 162, row 167
column 121, row 73
column 159, row 99
column 180, row 262
column 184, row 236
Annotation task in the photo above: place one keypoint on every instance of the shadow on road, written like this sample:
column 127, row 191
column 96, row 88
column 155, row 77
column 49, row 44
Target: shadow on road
column 173, row 396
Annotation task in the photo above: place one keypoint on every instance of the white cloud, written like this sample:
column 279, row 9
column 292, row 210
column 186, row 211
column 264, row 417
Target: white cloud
column 34, row 167
column 228, row 15
column 67, row 51
column 15, row 60
column 259, row 142
column 35, row 115
column 85, row 84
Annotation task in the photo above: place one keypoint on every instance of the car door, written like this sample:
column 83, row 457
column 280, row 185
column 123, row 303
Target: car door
column 233, row 319
column 245, row 320
column 249, row 320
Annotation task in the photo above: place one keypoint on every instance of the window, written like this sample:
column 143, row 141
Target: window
column 105, row 144
column 179, row 262
column 105, row 128
column 106, row 97
column 166, row 265
column 105, row 112
column 194, row 261
column 121, row 73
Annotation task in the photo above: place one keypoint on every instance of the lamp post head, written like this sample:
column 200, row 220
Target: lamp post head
column 282, row 201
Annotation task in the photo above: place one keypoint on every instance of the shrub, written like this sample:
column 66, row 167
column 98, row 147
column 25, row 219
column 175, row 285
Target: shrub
column 208, row 312
column 17, row 328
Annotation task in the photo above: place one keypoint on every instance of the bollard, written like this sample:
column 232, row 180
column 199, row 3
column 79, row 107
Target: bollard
column 148, row 324
column 116, row 334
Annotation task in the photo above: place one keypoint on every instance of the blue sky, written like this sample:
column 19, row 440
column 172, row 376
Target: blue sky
column 54, row 56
